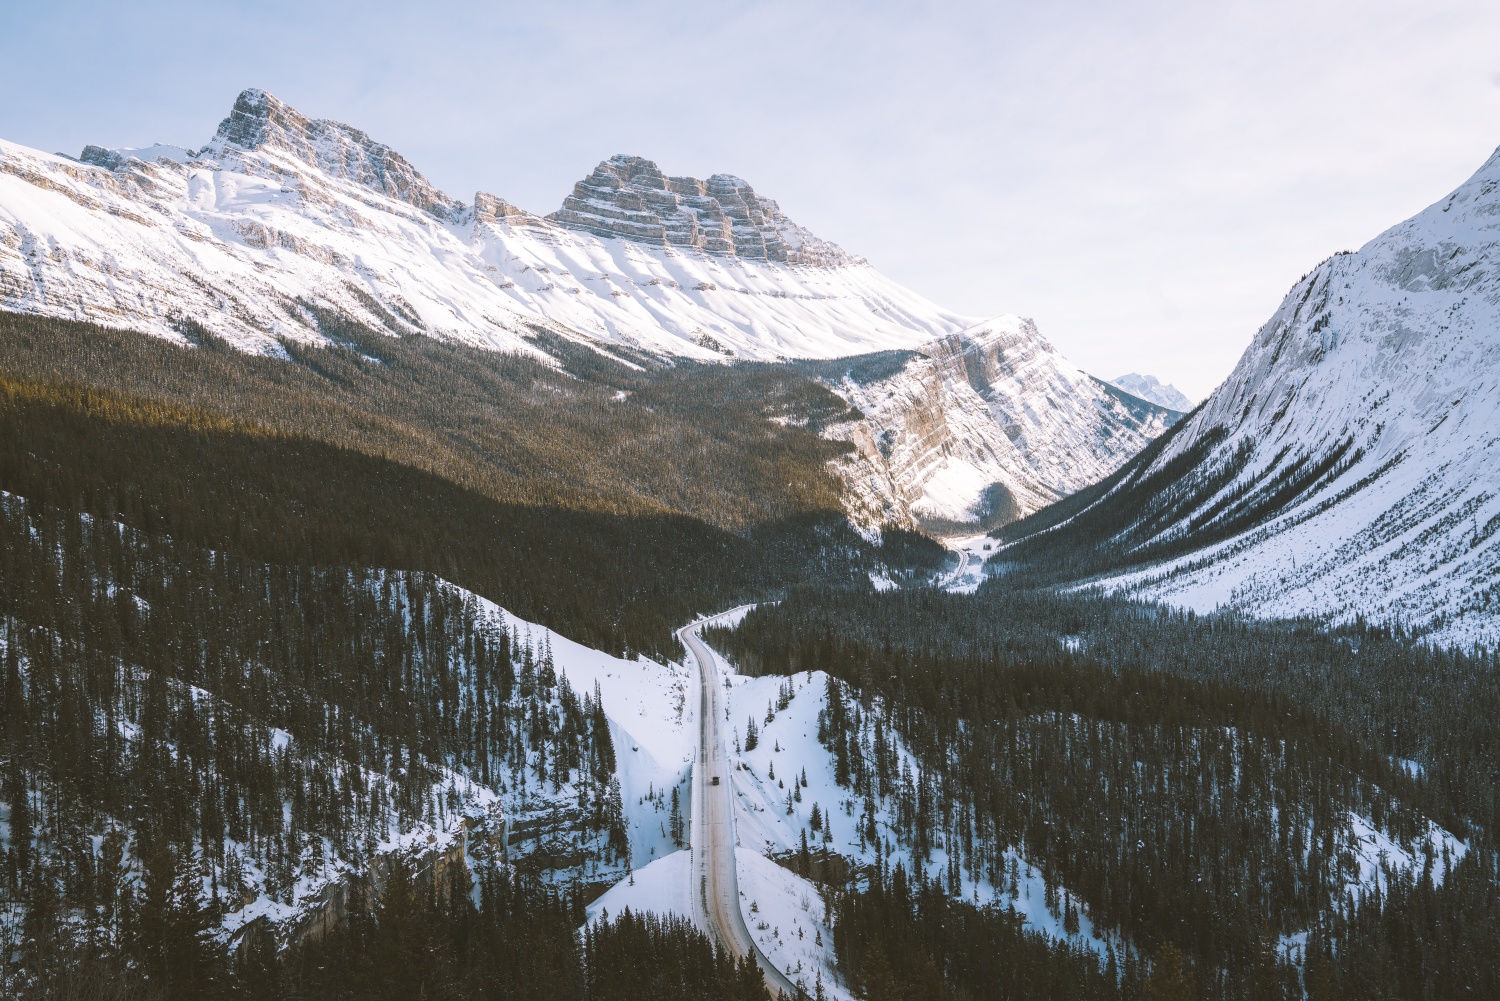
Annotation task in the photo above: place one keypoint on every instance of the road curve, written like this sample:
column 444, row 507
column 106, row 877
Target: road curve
column 716, row 891
column 963, row 564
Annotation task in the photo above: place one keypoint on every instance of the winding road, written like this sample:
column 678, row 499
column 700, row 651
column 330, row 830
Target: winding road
column 716, row 892
column 963, row 565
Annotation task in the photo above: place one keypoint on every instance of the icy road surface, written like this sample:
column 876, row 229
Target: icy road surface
column 716, row 894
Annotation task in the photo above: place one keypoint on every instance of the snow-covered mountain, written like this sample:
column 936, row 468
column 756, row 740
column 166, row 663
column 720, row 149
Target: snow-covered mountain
column 1153, row 390
column 280, row 220
column 981, row 427
column 280, row 214
column 1350, row 465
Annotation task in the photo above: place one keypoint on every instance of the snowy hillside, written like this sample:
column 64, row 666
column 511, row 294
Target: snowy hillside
column 793, row 808
column 788, row 801
column 279, row 215
column 1350, row 465
column 981, row 427
column 584, row 792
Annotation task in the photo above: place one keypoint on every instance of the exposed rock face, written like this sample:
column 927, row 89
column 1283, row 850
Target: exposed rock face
column 979, row 428
column 260, row 121
column 494, row 209
column 630, row 198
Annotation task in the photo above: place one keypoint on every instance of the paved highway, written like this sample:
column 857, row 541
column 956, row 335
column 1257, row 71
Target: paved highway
column 716, row 892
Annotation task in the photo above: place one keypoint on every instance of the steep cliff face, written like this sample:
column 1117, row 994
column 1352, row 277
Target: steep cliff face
column 280, row 217
column 1350, row 465
column 979, row 428
column 258, row 121
column 629, row 197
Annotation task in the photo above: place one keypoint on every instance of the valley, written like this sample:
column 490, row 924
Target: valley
column 404, row 596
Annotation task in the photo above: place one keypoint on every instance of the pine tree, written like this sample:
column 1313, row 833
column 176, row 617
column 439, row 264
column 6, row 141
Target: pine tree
column 1170, row 978
column 676, row 825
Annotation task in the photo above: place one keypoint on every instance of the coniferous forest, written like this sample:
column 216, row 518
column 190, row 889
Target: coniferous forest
column 1189, row 780
column 249, row 646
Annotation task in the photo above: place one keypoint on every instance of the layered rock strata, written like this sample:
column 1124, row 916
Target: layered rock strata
column 629, row 197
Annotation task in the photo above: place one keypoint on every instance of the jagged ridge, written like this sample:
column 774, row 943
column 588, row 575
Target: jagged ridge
column 281, row 215
column 982, row 427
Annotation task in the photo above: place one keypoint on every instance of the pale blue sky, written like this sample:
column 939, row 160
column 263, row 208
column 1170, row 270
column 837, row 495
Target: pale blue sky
column 1146, row 180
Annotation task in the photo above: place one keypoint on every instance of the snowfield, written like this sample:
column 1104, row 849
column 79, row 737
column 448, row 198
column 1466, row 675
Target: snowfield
column 663, row 887
column 280, row 222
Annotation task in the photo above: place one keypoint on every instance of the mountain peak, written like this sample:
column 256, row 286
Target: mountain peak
column 629, row 197
column 259, row 121
column 1153, row 390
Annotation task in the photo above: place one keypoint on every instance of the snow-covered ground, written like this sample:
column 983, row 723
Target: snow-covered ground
column 775, row 787
column 648, row 706
column 663, row 887
column 1377, row 855
column 777, row 783
column 652, row 723
column 771, row 818
column 786, row 917
column 972, row 551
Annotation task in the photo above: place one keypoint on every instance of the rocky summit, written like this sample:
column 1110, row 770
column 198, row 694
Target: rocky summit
column 629, row 197
column 258, row 120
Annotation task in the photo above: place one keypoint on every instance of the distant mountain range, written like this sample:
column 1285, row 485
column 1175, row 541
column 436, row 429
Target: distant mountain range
column 1149, row 387
column 1349, row 466
column 281, row 219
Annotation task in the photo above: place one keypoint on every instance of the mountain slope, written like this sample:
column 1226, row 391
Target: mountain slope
column 279, row 215
column 285, row 232
column 1349, row 466
column 979, row 428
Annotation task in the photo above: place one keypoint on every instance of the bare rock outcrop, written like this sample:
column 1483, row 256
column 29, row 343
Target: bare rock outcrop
column 261, row 121
column 629, row 197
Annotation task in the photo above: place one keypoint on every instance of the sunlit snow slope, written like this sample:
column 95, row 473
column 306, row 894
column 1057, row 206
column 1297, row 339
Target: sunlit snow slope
column 280, row 215
column 981, row 427
column 1350, row 465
